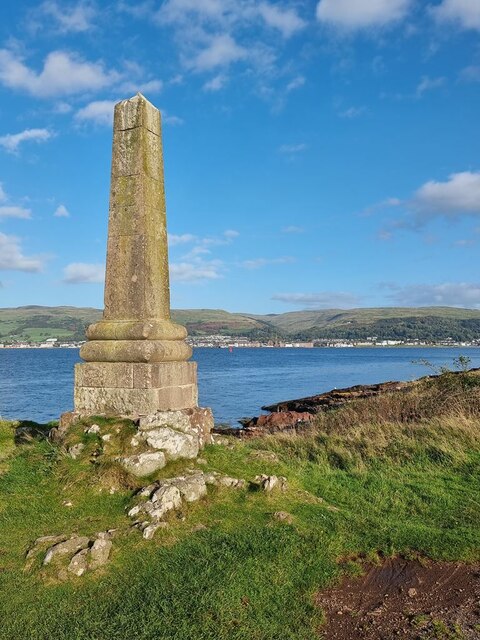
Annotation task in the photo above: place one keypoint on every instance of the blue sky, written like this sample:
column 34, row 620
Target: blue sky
column 317, row 154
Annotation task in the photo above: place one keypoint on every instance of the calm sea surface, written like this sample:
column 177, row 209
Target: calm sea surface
column 37, row 384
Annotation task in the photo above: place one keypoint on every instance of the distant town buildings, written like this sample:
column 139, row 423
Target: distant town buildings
column 235, row 342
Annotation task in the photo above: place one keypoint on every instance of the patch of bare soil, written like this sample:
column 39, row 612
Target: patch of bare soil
column 405, row 599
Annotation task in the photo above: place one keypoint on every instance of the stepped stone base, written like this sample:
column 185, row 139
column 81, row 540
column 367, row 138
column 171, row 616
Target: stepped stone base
column 134, row 388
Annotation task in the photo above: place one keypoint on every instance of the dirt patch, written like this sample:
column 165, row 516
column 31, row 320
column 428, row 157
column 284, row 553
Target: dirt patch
column 405, row 599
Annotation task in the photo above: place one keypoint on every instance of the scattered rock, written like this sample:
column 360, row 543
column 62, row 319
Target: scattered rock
column 67, row 503
column 174, row 443
column 234, row 483
column 271, row 483
column 78, row 564
column 93, row 429
column 100, row 552
column 165, row 499
column 107, row 437
column 147, row 491
column 283, row 516
column 145, row 463
column 199, row 527
column 41, row 544
column 75, row 450
column 68, row 547
column 150, row 530
column 192, row 488
column 412, row 593
column 201, row 461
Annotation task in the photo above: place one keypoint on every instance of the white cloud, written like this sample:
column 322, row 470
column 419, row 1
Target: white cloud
column 464, row 13
column 321, row 300
column 292, row 149
column 455, row 294
column 15, row 212
column 296, row 83
column 82, row 272
column 286, row 21
column 171, row 120
column 257, row 263
column 360, row 14
column 174, row 240
column 61, row 212
column 177, row 10
column 145, row 87
column 99, row 112
column 12, row 258
column 3, row 195
column 63, row 73
column 216, row 83
column 352, row 112
column 221, row 51
column 214, row 34
column 195, row 271
column 231, row 233
column 457, row 196
column 12, row 141
column 470, row 74
column 75, row 18
column 429, row 84
column 293, row 229
column 62, row 108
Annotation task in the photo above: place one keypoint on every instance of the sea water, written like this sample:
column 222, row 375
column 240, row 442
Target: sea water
column 37, row 384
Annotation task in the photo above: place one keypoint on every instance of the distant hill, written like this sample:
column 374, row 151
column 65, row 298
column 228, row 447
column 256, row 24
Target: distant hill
column 36, row 323
column 428, row 323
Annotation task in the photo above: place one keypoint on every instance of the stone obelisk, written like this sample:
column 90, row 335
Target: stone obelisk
column 136, row 357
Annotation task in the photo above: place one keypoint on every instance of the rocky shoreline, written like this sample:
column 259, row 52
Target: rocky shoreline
column 298, row 414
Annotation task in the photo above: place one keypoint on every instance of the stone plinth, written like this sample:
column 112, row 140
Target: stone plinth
column 134, row 388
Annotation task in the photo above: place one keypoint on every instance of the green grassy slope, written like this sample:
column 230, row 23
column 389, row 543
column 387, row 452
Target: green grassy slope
column 372, row 481
column 37, row 323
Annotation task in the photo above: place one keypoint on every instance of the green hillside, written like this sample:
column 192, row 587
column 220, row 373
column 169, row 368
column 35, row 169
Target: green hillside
column 35, row 323
column 428, row 323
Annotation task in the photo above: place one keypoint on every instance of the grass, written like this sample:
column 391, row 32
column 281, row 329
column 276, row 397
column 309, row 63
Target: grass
column 375, row 478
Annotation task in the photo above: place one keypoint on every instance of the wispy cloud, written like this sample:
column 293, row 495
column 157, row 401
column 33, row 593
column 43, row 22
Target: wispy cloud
column 221, row 51
column 461, row 13
column 174, row 239
column 197, row 270
column 427, row 84
column 216, row 83
column 295, row 84
column 13, row 259
column 61, row 212
column 65, row 18
column 7, row 211
column 293, row 229
column 361, row 14
column 320, row 300
column 352, row 112
column 258, row 263
column 83, row 272
column 455, row 294
column 12, row 141
column 292, row 149
column 287, row 21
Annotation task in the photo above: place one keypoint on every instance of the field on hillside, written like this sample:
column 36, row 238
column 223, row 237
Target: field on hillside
column 396, row 474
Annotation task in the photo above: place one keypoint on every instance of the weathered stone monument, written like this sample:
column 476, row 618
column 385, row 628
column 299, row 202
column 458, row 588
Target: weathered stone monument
column 136, row 358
